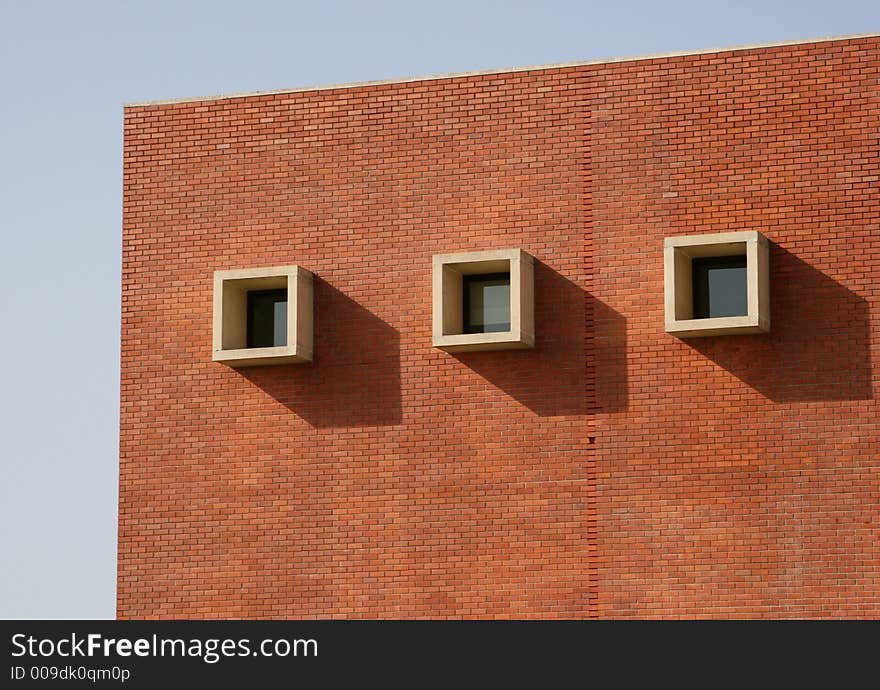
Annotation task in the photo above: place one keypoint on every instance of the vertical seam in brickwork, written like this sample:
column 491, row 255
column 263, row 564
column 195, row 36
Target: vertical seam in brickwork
column 584, row 96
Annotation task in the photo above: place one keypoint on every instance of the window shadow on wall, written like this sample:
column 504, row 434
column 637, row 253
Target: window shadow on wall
column 818, row 347
column 607, row 366
column 561, row 375
column 354, row 380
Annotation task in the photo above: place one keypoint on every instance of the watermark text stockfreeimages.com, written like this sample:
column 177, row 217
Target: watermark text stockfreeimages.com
column 210, row 650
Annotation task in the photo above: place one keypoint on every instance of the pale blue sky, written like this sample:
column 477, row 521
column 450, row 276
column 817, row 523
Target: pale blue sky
column 66, row 68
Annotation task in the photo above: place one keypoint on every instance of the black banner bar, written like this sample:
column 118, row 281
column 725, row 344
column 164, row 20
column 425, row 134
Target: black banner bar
column 269, row 654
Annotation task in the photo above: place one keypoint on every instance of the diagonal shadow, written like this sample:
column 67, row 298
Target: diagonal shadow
column 354, row 380
column 818, row 347
column 606, row 362
column 571, row 370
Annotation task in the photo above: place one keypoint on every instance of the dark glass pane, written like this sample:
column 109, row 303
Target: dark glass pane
column 486, row 303
column 720, row 287
column 280, row 331
column 267, row 318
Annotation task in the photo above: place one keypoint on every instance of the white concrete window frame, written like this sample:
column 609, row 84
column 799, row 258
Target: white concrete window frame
column 679, row 253
column 230, row 315
column 448, row 326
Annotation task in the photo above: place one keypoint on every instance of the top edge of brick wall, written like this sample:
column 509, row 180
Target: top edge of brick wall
column 507, row 70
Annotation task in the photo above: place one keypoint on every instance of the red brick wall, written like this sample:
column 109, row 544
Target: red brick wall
column 612, row 471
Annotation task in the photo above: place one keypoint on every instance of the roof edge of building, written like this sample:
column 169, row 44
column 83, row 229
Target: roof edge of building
column 504, row 70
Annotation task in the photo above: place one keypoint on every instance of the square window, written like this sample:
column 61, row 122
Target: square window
column 267, row 318
column 486, row 307
column 720, row 287
column 717, row 284
column 483, row 301
column 263, row 316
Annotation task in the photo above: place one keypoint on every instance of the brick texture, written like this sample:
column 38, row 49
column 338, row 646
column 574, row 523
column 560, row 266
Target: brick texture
column 614, row 470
